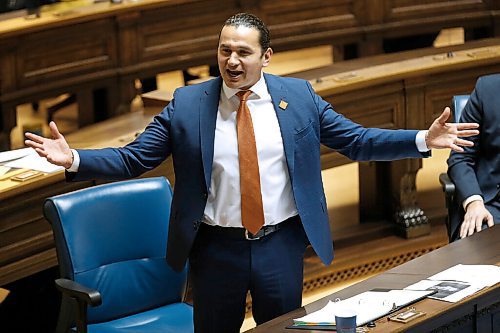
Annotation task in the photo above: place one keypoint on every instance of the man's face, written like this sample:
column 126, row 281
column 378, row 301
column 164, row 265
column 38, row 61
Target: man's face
column 240, row 56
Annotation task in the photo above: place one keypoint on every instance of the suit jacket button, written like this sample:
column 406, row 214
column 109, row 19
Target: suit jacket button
column 196, row 225
column 205, row 195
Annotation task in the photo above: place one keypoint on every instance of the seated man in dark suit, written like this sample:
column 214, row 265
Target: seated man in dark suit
column 476, row 171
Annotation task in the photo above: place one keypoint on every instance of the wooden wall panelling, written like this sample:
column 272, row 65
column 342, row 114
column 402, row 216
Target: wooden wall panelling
column 74, row 50
column 400, row 10
column 406, row 18
column 187, row 34
column 441, row 87
column 75, row 59
column 305, row 23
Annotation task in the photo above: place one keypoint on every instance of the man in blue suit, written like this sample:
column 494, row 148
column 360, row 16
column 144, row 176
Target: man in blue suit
column 476, row 172
column 199, row 129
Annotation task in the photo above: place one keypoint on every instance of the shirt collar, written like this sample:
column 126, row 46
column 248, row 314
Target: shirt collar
column 259, row 88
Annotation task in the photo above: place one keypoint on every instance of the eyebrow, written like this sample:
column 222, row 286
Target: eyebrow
column 239, row 47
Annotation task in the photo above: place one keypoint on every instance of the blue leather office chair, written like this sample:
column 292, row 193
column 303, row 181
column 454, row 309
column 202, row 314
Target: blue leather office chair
column 111, row 243
column 455, row 210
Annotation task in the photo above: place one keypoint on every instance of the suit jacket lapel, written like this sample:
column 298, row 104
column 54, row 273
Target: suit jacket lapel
column 209, row 105
column 285, row 117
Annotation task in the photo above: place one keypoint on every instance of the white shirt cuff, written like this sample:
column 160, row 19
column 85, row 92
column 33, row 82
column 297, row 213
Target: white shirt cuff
column 420, row 141
column 76, row 162
column 475, row 197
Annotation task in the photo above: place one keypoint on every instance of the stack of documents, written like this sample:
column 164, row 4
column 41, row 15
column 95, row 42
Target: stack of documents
column 27, row 158
column 368, row 306
column 460, row 281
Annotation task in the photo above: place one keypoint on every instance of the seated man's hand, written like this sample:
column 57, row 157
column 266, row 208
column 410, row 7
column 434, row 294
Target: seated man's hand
column 474, row 217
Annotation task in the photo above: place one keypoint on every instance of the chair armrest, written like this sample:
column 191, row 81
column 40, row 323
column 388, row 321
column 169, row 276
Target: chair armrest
column 447, row 184
column 83, row 296
column 80, row 293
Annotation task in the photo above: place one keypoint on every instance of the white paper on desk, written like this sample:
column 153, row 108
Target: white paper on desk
column 459, row 281
column 3, row 170
column 482, row 275
column 368, row 306
column 14, row 154
column 34, row 162
column 326, row 316
column 449, row 291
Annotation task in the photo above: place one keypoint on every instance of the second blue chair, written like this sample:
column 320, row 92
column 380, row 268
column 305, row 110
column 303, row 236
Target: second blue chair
column 454, row 209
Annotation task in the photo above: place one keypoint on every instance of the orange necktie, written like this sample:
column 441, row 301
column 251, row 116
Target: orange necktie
column 252, row 211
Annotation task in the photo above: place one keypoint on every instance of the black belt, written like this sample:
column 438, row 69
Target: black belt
column 242, row 233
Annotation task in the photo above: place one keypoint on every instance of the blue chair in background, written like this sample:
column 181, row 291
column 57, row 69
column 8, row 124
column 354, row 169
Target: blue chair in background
column 455, row 210
column 111, row 244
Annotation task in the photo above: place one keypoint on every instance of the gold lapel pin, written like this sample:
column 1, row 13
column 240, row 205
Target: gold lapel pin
column 283, row 104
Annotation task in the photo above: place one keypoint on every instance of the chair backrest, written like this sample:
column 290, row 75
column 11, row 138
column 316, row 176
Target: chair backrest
column 455, row 213
column 112, row 238
column 459, row 102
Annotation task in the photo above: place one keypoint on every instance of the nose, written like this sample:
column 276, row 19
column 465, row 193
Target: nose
column 233, row 59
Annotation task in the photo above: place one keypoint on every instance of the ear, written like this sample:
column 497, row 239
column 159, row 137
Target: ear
column 267, row 57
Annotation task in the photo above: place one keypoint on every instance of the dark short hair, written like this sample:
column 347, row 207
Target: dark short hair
column 251, row 21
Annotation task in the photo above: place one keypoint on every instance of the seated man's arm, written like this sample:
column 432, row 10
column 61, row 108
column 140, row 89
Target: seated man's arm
column 462, row 171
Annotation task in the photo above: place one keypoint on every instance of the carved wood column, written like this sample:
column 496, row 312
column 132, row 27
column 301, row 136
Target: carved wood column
column 410, row 219
column 7, row 84
column 371, row 13
column 7, row 123
column 127, row 26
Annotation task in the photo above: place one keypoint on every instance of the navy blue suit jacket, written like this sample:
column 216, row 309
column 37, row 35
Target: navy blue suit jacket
column 186, row 128
column 477, row 170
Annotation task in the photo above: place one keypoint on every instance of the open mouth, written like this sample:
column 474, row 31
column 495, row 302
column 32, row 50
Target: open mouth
column 234, row 74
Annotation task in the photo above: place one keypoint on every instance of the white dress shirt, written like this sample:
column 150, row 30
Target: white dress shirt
column 223, row 206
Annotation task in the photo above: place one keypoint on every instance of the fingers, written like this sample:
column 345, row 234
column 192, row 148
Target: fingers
column 33, row 144
column 489, row 220
column 41, row 152
column 473, row 221
column 458, row 143
column 464, row 229
column 34, row 137
column 466, row 126
column 478, row 223
column 444, row 116
column 467, row 133
column 462, row 142
column 54, row 130
column 456, row 148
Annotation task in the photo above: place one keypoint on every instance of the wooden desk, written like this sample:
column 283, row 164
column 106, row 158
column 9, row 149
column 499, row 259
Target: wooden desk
column 80, row 46
column 477, row 313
